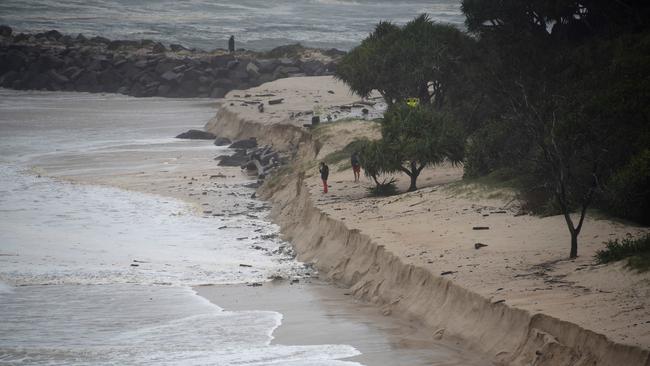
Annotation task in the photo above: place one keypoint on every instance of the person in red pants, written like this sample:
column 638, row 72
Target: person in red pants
column 324, row 174
column 356, row 166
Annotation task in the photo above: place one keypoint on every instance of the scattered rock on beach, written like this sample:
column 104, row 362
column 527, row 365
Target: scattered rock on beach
column 244, row 144
column 237, row 159
column 196, row 135
column 222, row 141
column 479, row 245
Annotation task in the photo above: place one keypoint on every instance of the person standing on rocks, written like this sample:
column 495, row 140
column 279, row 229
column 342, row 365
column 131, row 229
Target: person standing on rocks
column 356, row 166
column 324, row 174
column 231, row 44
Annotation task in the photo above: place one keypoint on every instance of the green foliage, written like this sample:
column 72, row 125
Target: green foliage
column 377, row 159
column 637, row 252
column 412, row 138
column 384, row 188
column 501, row 145
column 569, row 83
column 628, row 190
column 355, row 146
column 422, row 135
column 561, row 20
column 416, row 60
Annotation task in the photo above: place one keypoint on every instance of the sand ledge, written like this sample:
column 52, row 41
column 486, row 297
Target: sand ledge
column 510, row 336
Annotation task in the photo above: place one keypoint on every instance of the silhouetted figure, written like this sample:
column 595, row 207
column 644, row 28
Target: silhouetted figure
column 324, row 174
column 231, row 44
column 356, row 166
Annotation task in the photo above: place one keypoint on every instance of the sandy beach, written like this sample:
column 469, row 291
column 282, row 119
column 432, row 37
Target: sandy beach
column 408, row 264
column 314, row 312
column 523, row 266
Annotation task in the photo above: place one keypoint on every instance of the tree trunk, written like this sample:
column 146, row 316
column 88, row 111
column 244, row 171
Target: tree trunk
column 574, row 244
column 413, row 187
column 415, row 172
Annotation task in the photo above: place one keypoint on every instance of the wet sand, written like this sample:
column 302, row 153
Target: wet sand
column 316, row 312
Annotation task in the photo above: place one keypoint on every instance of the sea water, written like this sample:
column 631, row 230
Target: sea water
column 208, row 24
column 94, row 275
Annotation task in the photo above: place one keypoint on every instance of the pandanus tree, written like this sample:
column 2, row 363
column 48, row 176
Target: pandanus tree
column 417, row 137
column 419, row 59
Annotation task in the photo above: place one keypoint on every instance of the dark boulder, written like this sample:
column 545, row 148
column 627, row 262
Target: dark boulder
column 221, row 61
column 218, row 92
column 117, row 44
column 14, row 60
column 53, row 35
column 49, row 62
column 87, row 81
column 222, row 141
column 110, row 80
column 189, row 88
column 196, row 135
column 165, row 65
column 312, row 68
column 158, row 48
column 244, row 144
column 265, row 78
column 220, row 73
column 333, row 52
column 171, row 76
column 239, row 75
column 165, row 90
column 7, row 80
column 239, row 158
column 100, row 40
column 267, row 66
column 5, row 31
column 57, row 78
column 177, row 47
column 21, row 37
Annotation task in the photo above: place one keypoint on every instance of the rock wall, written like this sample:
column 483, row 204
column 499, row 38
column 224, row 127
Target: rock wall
column 506, row 335
column 52, row 61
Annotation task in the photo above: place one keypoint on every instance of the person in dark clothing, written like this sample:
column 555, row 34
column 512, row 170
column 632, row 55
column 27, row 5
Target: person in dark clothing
column 231, row 44
column 356, row 166
column 324, row 174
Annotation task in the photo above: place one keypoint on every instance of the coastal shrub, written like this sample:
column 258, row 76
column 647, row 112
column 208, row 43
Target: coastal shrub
column 355, row 146
column 383, row 188
column 628, row 191
column 635, row 250
column 417, row 137
column 418, row 60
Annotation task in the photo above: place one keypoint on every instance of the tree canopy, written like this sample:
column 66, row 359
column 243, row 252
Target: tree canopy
column 416, row 60
column 554, row 94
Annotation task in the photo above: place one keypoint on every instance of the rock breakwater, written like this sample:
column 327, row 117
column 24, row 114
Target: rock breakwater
column 145, row 68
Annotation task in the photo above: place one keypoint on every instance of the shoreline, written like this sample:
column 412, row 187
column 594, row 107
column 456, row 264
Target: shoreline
column 508, row 334
column 183, row 171
column 316, row 312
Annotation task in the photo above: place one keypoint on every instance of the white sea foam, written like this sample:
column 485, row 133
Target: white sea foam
column 142, row 325
column 82, row 267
